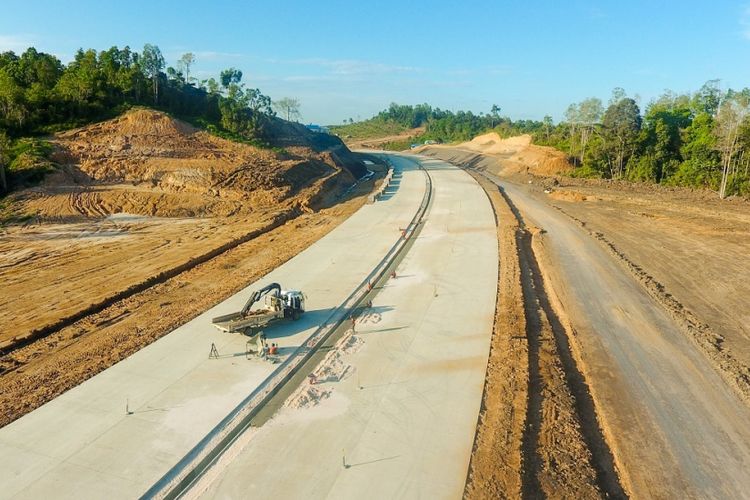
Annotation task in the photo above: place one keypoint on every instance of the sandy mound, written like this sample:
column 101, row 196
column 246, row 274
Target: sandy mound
column 492, row 144
column 518, row 155
column 573, row 196
column 147, row 163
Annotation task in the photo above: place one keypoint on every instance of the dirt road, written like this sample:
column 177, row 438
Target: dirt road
column 674, row 425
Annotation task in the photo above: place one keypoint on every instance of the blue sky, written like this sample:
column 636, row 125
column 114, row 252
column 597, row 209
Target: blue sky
column 349, row 59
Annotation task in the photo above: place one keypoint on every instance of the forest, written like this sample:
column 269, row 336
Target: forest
column 40, row 95
column 699, row 139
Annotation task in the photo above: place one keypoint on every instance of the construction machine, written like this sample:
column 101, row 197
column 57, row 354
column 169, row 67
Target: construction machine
column 277, row 304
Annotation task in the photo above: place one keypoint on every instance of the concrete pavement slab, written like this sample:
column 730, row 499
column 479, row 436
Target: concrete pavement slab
column 175, row 393
column 402, row 422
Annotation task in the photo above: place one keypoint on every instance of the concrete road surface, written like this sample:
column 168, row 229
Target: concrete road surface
column 677, row 428
column 401, row 423
column 83, row 444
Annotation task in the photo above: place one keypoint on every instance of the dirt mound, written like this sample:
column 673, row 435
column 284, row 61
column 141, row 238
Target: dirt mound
column 516, row 155
column 147, row 163
column 492, row 143
column 136, row 123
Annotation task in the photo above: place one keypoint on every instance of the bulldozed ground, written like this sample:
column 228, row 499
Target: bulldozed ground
column 147, row 223
column 538, row 433
column 687, row 247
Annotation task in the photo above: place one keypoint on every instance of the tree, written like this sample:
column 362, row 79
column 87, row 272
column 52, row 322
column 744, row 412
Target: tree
column 583, row 117
column 12, row 107
column 184, row 64
column 732, row 115
column 495, row 114
column 660, row 139
column 708, row 98
column 261, row 109
column 701, row 160
column 4, row 147
column 618, row 94
column 211, row 85
column 621, row 122
column 548, row 125
column 230, row 76
column 152, row 62
column 289, row 107
column 174, row 75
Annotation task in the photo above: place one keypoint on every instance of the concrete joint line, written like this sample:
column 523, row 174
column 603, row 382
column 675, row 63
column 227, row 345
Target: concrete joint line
column 180, row 477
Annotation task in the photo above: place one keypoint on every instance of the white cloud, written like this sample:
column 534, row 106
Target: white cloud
column 745, row 22
column 16, row 43
column 502, row 70
column 310, row 78
column 210, row 55
column 354, row 66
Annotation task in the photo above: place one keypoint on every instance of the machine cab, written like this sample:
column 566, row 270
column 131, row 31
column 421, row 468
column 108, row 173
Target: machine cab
column 294, row 302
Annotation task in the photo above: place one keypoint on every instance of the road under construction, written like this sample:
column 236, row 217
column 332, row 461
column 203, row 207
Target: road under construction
column 137, row 428
column 422, row 311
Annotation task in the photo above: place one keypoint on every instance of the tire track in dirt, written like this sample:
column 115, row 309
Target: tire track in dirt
column 735, row 373
column 152, row 281
column 495, row 468
column 49, row 366
column 544, row 436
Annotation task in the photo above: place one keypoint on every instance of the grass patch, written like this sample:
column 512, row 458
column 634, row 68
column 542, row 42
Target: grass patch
column 29, row 161
column 368, row 129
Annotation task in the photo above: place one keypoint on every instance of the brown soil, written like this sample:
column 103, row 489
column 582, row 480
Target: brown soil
column 537, row 434
column 687, row 248
column 142, row 228
column 690, row 256
column 141, row 196
column 48, row 367
column 380, row 142
column 496, row 469
column 513, row 155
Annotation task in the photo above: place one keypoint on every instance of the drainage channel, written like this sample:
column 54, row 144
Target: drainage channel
column 181, row 478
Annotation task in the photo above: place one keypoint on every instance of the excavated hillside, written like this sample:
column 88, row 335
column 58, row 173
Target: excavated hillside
column 143, row 194
column 147, row 163
column 514, row 155
column 147, row 223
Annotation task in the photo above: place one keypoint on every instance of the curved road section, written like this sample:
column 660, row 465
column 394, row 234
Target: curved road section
column 118, row 433
column 400, row 421
column 675, row 428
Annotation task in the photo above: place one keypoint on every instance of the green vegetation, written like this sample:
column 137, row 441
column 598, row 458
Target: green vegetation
column 23, row 162
column 696, row 140
column 368, row 129
column 40, row 95
column 439, row 125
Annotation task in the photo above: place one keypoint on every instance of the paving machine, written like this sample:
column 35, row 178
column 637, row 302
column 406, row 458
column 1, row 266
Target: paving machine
column 277, row 304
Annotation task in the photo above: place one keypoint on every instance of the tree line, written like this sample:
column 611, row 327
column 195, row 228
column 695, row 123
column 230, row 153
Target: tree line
column 447, row 126
column 39, row 94
column 698, row 139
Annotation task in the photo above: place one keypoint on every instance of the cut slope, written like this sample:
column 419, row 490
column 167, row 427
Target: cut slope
column 90, row 235
column 148, row 163
column 516, row 155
